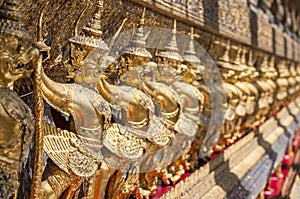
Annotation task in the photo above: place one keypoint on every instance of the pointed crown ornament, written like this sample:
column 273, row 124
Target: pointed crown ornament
column 171, row 49
column 137, row 46
column 190, row 53
column 92, row 37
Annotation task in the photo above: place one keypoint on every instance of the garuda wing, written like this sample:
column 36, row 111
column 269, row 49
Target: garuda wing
column 67, row 151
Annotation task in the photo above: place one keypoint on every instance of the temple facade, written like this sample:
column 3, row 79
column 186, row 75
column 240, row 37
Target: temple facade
column 150, row 99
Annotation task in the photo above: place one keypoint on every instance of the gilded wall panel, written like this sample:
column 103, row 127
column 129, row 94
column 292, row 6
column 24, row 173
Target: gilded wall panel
column 109, row 110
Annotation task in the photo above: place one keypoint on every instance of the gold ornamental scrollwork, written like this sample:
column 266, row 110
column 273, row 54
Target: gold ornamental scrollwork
column 116, row 121
column 17, row 122
column 148, row 114
column 139, row 109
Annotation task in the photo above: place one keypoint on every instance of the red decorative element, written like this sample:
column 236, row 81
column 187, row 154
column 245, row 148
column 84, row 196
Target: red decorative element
column 161, row 191
column 214, row 155
column 285, row 172
column 275, row 184
column 184, row 176
column 269, row 194
column 288, row 159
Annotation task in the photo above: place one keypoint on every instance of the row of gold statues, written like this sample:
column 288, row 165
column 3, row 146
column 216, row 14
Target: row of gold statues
column 132, row 121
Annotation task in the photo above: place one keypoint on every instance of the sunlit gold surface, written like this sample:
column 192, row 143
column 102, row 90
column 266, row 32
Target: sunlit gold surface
column 114, row 106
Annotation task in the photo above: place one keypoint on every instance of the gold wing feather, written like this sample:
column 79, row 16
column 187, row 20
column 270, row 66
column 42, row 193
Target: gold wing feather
column 57, row 145
column 67, row 151
column 122, row 142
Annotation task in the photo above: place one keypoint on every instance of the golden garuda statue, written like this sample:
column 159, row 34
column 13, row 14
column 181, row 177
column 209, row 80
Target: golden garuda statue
column 127, row 114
